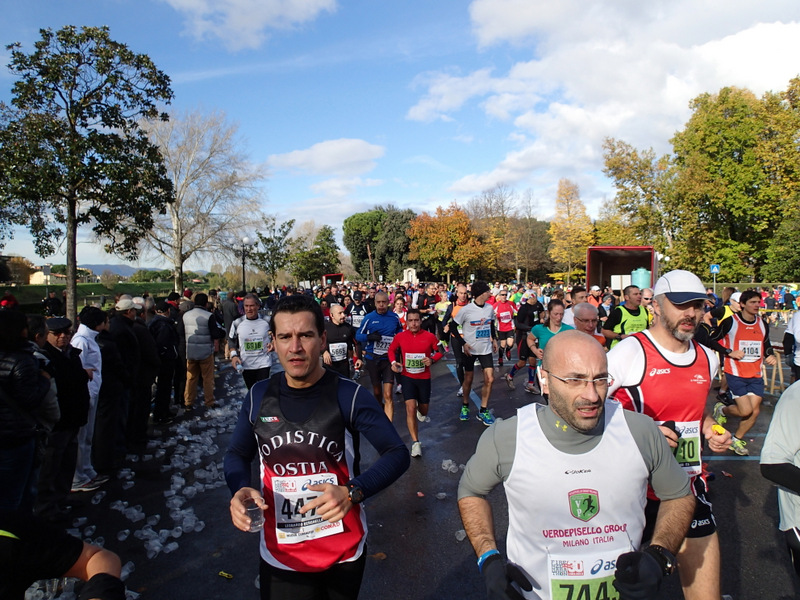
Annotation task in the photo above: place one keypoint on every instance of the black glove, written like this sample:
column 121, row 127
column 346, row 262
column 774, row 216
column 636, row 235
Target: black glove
column 374, row 337
column 638, row 576
column 499, row 575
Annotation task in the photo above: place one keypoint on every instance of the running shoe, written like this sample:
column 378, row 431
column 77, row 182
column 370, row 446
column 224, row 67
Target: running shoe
column 398, row 389
column 423, row 418
column 740, row 447
column 719, row 416
column 485, row 417
column 500, row 361
column 508, row 353
column 532, row 389
column 464, row 416
column 416, row 449
column 509, row 380
column 86, row 486
column 460, row 392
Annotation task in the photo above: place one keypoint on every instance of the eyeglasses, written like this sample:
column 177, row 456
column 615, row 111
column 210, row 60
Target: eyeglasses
column 587, row 320
column 650, row 298
column 581, row 382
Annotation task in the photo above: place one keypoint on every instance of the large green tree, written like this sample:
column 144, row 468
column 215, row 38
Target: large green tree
column 72, row 152
column 393, row 244
column 361, row 232
column 310, row 264
column 274, row 246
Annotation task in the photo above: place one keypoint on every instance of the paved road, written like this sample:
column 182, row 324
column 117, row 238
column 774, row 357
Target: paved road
column 413, row 546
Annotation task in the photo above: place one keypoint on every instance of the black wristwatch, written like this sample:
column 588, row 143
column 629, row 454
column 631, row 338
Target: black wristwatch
column 664, row 557
column 728, row 351
column 356, row 493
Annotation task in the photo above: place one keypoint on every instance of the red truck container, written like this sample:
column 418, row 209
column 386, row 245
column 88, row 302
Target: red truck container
column 620, row 266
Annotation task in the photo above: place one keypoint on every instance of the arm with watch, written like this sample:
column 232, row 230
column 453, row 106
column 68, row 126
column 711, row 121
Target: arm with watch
column 639, row 574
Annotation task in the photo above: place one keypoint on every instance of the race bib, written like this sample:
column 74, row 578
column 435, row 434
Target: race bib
column 413, row 362
column 381, row 347
column 290, row 494
column 253, row 345
column 576, row 579
column 338, row 351
column 751, row 349
column 482, row 334
column 689, row 445
column 356, row 320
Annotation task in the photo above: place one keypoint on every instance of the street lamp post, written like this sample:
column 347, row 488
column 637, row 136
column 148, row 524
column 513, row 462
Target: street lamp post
column 246, row 243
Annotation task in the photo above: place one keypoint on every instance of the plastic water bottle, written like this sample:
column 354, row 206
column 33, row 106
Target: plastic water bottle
column 239, row 368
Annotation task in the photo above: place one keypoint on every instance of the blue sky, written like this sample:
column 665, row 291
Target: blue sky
column 350, row 104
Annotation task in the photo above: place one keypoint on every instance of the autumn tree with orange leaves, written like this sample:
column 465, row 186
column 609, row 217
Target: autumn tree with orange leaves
column 446, row 243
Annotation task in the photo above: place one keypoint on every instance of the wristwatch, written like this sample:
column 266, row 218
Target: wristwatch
column 664, row 557
column 728, row 351
column 356, row 493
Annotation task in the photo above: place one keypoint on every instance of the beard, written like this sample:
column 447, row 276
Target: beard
column 677, row 333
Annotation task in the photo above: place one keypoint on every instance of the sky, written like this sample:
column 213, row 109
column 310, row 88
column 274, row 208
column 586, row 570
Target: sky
column 351, row 104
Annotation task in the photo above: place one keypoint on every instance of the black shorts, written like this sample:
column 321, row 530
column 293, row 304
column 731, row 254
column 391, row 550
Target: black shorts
column 342, row 367
column 505, row 335
column 416, row 389
column 703, row 523
column 486, row 360
column 524, row 350
column 379, row 370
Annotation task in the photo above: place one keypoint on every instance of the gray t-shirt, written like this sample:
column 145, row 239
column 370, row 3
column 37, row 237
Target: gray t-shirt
column 782, row 445
column 494, row 456
column 476, row 324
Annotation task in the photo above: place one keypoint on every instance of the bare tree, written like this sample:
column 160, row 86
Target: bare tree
column 216, row 189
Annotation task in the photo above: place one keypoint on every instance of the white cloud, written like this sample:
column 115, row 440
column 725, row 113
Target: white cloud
column 340, row 187
column 244, row 23
column 342, row 157
column 623, row 69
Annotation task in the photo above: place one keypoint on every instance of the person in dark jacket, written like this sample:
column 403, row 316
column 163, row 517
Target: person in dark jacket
column 61, row 451
column 142, row 392
column 23, row 389
column 165, row 333
column 105, row 455
column 121, row 327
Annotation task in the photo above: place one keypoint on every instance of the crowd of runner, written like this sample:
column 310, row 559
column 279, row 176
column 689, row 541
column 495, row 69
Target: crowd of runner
column 77, row 400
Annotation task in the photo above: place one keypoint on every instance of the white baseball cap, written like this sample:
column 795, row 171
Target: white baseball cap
column 680, row 287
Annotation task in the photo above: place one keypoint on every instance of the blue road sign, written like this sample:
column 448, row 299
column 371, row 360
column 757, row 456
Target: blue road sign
column 715, row 269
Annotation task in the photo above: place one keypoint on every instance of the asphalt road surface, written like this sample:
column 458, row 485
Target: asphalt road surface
column 415, row 547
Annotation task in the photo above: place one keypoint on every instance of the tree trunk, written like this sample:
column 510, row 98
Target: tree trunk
column 371, row 265
column 72, row 258
column 177, row 277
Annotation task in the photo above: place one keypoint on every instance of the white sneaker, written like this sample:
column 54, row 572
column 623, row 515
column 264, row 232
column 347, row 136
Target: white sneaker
column 423, row 418
column 416, row 449
column 460, row 392
column 398, row 389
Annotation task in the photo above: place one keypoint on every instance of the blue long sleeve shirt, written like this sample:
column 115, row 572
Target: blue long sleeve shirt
column 387, row 324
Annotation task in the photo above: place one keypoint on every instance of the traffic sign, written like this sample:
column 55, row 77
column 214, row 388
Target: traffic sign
column 715, row 269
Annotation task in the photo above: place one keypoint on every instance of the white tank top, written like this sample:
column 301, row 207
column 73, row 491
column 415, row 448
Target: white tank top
column 571, row 515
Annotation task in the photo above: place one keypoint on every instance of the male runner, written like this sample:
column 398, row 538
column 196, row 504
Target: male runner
column 304, row 424
column 375, row 335
column 628, row 319
column 426, row 303
column 356, row 312
column 665, row 374
column 477, row 325
column 578, row 296
column 250, row 344
column 586, row 319
column 780, row 463
column 417, row 350
column 575, row 475
column 342, row 344
column 744, row 338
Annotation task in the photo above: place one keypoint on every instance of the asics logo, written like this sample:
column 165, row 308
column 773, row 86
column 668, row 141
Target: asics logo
column 655, row 371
